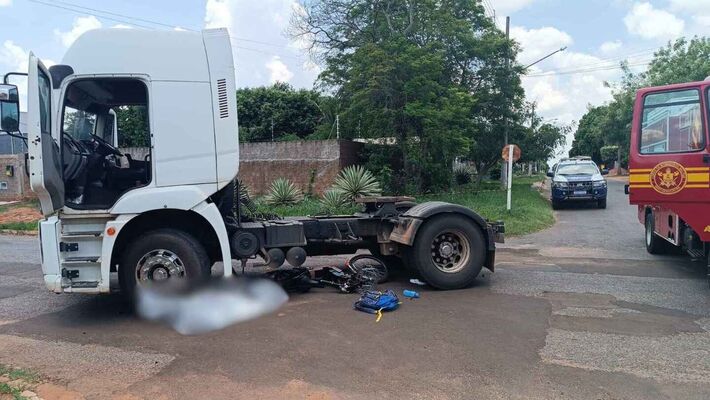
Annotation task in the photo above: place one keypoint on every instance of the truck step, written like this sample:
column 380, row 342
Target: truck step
column 81, row 285
column 81, row 260
column 696, row 254
column 82, row 235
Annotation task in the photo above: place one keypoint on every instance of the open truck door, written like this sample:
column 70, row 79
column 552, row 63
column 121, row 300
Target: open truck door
column 670, row 163
column 44, row 152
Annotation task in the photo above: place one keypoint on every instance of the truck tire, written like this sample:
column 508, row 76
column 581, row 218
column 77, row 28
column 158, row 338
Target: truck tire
column 449, row 252
column 654, row 243
column 601, row 204
column 556, row 205
column 161, row 255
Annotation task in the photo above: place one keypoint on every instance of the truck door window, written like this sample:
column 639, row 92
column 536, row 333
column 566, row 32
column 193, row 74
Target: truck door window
column 45, row 104
column 672, row 123
column 98, row 171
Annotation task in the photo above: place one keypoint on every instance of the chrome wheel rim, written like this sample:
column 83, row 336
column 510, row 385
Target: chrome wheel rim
column 159, row 265
column 649, row 232
column 450, row 251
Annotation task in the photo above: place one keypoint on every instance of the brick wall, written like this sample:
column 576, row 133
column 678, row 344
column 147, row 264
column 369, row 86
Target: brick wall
column 262, row 163
column 17, row 186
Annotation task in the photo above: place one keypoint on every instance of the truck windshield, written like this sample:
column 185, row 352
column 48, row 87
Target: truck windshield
column 79, row 124
column 671, row 123
column 577, row 169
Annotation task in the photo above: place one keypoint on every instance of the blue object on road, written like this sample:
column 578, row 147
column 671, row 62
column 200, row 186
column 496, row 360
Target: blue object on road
column 410, row 294
column 373, row 302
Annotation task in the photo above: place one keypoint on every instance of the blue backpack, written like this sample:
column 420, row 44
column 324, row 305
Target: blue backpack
column 373, row 302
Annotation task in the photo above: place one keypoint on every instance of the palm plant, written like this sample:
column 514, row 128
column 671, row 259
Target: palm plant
column 355, row 181
column 283, row 193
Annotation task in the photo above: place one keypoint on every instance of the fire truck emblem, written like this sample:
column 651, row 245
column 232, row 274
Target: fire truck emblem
column 668, row 177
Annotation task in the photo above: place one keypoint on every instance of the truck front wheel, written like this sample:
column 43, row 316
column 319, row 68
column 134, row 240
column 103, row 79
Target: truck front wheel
column 162, row 255
column 449, row 252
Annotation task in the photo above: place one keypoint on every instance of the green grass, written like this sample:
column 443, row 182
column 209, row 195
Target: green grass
column 16, row 393
column 19, row 373
column 530, row 211
column 14, row 374
column 19, row 226
column 27, row 203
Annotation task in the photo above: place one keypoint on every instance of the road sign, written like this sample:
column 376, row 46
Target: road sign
column 516, row 152
column 511, row 154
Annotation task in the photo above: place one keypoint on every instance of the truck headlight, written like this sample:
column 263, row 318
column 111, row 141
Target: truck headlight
column 560, row 184
column 599, row 184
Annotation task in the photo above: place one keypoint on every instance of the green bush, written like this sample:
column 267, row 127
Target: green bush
column 355, row 181
column 282, row 193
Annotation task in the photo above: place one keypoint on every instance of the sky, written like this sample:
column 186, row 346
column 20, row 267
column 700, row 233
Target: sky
column 597, row 34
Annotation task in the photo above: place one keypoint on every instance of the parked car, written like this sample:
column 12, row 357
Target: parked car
column 578, row 179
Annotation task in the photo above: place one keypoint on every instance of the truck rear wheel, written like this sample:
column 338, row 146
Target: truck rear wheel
column 654, row 243
column 449, row 252
column 162, row 255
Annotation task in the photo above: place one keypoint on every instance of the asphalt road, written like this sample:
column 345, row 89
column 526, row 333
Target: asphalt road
column 578, row 311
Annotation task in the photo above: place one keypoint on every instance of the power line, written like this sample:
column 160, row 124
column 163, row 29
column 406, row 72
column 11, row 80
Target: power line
column 129, row 20
column 586, row 70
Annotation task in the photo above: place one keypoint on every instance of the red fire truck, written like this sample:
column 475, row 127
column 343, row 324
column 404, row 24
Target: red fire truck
column 669, row 165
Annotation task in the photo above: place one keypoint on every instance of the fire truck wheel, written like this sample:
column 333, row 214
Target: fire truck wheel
column 163, row 255
column 449, row 252
column 654, row 243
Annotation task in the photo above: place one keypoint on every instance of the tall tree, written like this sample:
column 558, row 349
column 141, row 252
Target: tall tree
column 428, row 75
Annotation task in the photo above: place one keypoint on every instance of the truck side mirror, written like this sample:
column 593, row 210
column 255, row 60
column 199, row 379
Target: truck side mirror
column 605, row 171
column 9, row 109
column 551, row 174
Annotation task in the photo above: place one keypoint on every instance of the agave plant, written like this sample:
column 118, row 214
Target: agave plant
column 462, row 175
column 333, row 201
column 283, row 193
column 356, row 181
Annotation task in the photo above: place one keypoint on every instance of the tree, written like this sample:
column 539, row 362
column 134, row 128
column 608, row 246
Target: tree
column 288, row 113
column 430, row 76
column 610, row 124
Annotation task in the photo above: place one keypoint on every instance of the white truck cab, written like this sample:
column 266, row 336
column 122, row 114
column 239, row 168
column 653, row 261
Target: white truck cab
column 133, row 152
column 182, row 85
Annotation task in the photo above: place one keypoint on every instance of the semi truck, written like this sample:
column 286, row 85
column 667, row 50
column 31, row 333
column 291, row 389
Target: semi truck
column 669, row 168
column 133, row 152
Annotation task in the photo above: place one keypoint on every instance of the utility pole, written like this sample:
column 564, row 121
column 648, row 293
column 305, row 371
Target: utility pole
column 272, row 128
column 337, row 126
column 504, row 170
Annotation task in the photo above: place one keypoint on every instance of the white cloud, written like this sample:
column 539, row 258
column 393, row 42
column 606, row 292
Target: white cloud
column 258, row 30
column 610, row 47
column 218, row 14
column 14, row 57
column 563, row 97
column 691, row 6
column 507, row 7
column 5, row 3
column 80, row 25
column 278, row 70
column 651, row 23
column 122, row 26
column 699, row 10
column 537, row 43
